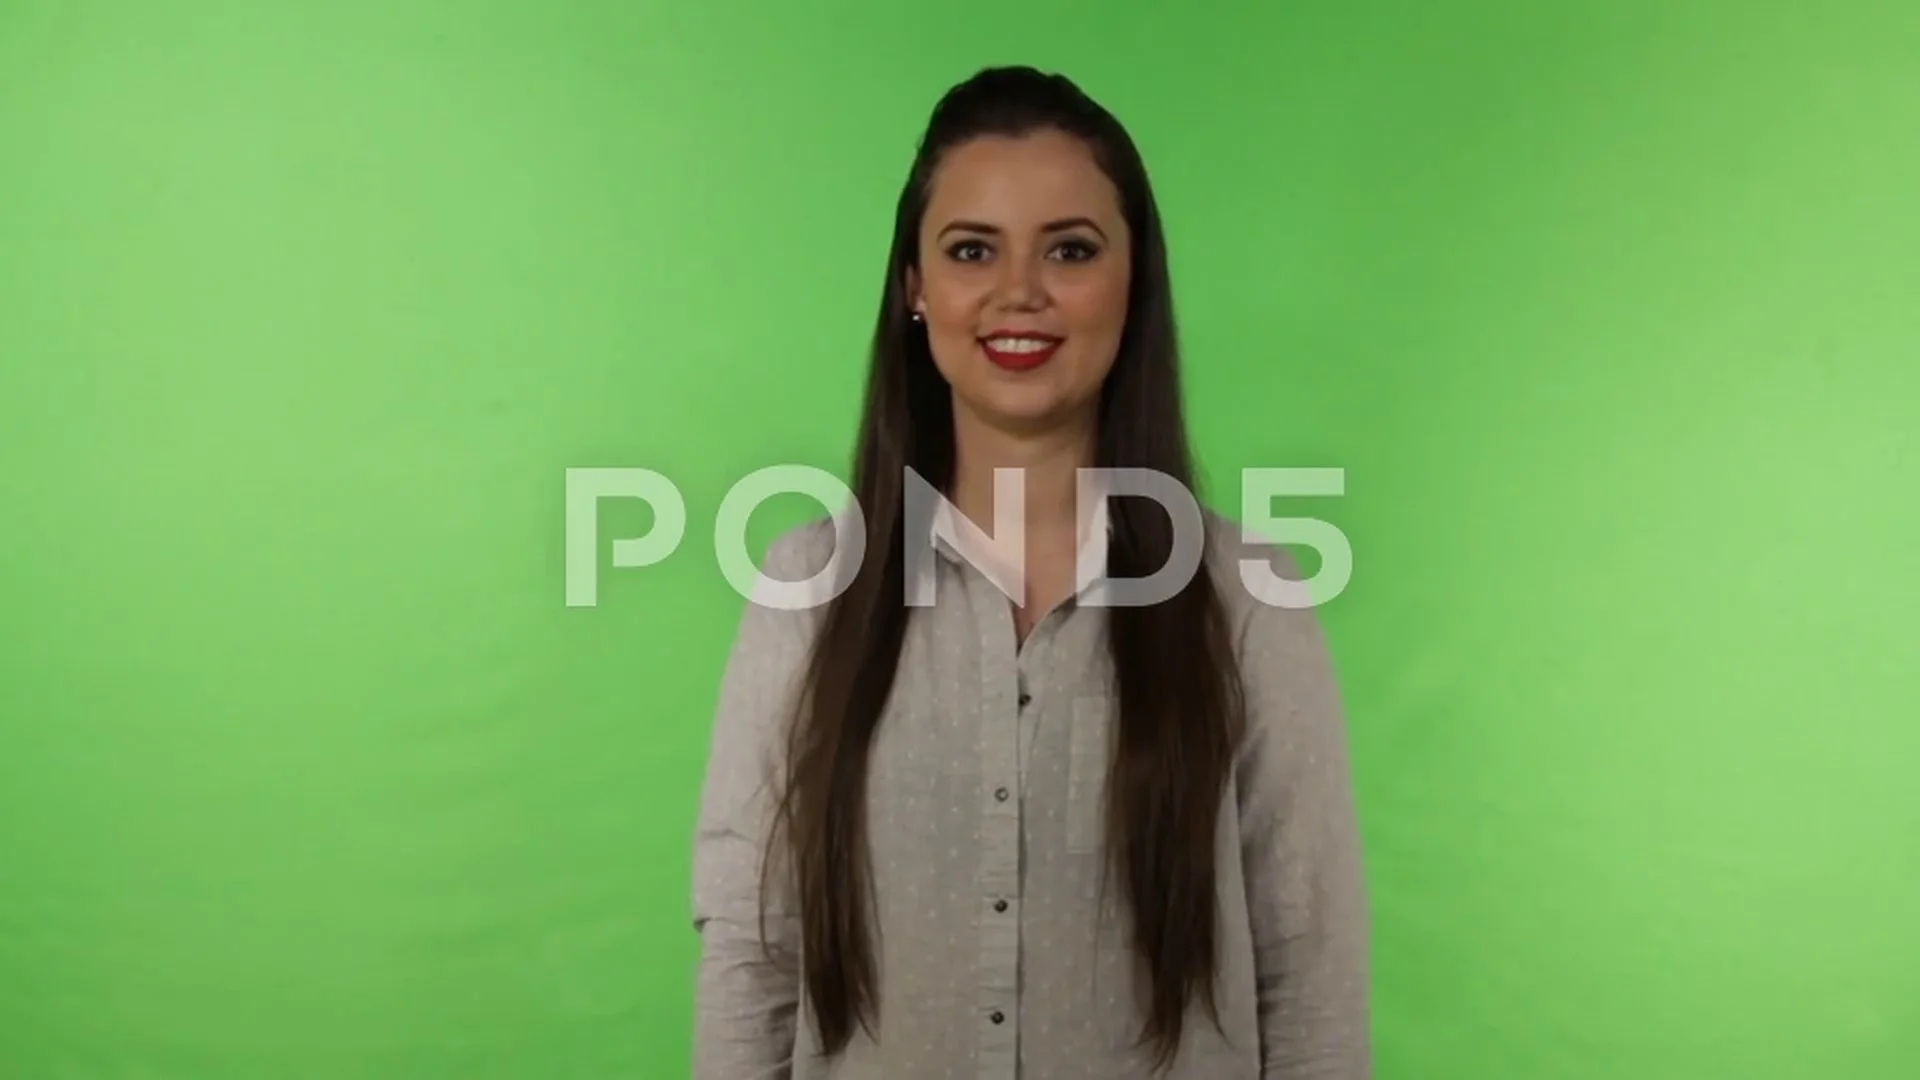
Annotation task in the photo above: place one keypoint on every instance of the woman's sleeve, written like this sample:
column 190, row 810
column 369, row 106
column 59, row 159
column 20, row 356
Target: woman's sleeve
column 748, row 991
column 1301, row 850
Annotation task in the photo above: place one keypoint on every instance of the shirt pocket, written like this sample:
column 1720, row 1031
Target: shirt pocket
column 1089, row 752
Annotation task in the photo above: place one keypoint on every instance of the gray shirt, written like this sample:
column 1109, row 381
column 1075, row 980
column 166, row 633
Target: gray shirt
column 999, row 956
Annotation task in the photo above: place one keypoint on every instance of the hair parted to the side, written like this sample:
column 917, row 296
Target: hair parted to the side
column 1180, row 712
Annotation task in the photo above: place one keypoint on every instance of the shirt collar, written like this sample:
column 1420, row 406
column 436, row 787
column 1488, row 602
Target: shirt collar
column 958, row 540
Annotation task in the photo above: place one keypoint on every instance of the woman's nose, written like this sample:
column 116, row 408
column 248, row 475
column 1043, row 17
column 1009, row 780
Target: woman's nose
column 1021, row 285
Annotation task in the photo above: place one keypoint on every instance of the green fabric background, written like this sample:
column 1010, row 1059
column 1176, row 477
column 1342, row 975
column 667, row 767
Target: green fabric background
column 306, row 770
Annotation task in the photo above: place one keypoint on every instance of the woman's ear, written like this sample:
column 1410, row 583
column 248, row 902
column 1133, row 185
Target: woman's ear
column 915, row 305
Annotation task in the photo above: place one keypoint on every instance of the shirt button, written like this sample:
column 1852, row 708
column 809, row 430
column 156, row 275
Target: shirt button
column 998, row 1017
column 1001, row 794
column 1025, row 699
column 999, row 905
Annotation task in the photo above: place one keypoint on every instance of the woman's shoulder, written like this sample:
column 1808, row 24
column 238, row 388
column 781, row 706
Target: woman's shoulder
column 807, row 564
column 1248, row 558
column 802, row 551
column 1271, row 602
column 1280, row 643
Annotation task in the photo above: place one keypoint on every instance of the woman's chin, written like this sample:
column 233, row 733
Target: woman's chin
column 1022, row 408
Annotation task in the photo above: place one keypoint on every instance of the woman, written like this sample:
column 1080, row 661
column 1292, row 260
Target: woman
column 952, row 828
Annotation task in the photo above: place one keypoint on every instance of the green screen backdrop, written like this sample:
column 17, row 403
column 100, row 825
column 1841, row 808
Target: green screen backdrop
column 307, row 771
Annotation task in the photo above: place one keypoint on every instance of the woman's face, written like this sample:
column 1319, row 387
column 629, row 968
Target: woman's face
column 1023, row 278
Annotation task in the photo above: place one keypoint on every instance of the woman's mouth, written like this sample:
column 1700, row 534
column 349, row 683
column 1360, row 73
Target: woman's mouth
column 1020, row 351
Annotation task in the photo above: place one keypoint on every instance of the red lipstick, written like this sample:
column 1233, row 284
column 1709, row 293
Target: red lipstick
column 1019, row 350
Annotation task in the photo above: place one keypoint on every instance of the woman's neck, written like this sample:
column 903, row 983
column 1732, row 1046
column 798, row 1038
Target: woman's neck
column 1049, row 461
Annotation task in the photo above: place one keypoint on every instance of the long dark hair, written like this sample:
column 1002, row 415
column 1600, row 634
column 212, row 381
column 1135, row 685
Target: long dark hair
column 1179, row 709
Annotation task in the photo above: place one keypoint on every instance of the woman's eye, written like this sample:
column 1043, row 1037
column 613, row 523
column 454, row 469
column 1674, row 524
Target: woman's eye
column 1078, row 250
column 1067, row 251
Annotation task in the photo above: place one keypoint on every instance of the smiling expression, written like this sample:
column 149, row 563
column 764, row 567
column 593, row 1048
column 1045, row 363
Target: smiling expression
column 1023, row 277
